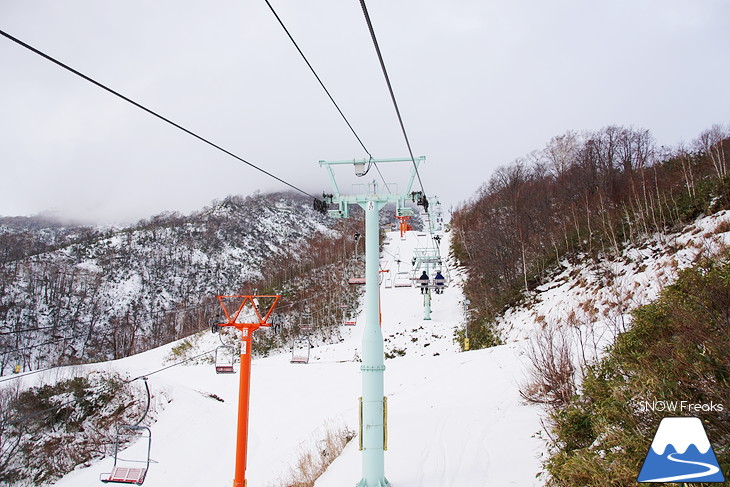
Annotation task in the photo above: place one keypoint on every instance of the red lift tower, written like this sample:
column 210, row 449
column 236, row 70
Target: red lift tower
column 245, row 313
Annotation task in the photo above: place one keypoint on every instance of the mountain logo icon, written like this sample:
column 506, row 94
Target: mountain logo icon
column 680, row 452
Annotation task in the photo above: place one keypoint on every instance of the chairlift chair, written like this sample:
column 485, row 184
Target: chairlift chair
column 300, row 351
column 402, row 279
column 429, row 260
column 346, row 320
column 224, row 358
column 389, row 281
column 123, row 471
column 361, row 280
column 440, row 283
column 305, row 322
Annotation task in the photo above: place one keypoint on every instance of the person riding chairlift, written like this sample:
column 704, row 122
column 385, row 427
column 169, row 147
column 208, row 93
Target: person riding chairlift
column 440, row 282
column 424, row 282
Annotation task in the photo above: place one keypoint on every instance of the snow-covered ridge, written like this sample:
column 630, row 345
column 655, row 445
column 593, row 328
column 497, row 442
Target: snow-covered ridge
column 594, row 298
column 112, row 293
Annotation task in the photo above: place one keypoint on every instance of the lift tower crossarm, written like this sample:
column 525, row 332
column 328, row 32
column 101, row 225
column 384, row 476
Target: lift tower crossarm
column 328, row 165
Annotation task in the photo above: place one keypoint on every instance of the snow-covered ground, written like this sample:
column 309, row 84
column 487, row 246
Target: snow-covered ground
column 455, row 418
column 591, row 301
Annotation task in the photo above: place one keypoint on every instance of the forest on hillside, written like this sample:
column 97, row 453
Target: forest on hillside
column 674, row 355
column 73, row 294
column 582, row 196
column 581, row 201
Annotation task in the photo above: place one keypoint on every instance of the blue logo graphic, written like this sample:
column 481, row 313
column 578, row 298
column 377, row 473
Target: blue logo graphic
column 680, row 452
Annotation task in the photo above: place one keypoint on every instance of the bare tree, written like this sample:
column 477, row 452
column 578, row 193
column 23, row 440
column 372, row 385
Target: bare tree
column 711, row 143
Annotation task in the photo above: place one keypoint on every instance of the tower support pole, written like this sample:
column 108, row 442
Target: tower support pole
column 427, row 305
column 373, row 422
column 373, row 363
column 244, row 393
column 248, row 322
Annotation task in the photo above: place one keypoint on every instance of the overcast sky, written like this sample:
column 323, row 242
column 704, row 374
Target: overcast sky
column 479, row 83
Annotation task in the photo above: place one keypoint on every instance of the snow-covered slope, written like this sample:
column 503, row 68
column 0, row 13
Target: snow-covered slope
column 455, row 418
column 590, row 301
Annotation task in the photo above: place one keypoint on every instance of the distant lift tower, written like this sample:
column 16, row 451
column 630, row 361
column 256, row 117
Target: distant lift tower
column 373, row 432
column 426, row 259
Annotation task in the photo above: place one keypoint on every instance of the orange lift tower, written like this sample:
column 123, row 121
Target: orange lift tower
column 247, row 317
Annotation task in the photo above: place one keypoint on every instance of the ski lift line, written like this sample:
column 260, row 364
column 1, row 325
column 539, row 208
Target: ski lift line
column 86, row 322
column 321, row 83
column 31, row 347
column 50, row 342
column 172, row 365
column 34, row 329
column 381, row 177
column 311, row 68
column 151, row 112
column 111, row 388
column 25, row 374
column 390, row 89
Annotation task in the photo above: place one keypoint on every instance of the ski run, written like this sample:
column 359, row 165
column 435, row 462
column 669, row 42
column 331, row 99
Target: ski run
column 456, row 419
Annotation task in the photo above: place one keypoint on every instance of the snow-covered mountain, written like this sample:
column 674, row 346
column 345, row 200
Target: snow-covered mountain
column 78, row 294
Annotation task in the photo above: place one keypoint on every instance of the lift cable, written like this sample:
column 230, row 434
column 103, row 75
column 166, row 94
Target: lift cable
column 25, row 374
column 390, row 89
column 163, row 312
column 25, row 330
column 321, row 83
column 109, row 389
column 70, row 325
column 151, row 112
column 381, row 177
column 38, row 345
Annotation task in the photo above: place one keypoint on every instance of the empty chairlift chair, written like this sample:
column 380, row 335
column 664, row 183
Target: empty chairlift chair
column 300, row 351
column 346, row 320
column 305, row 322
column 131, row 471
column 224, row 358
column 402, row 279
